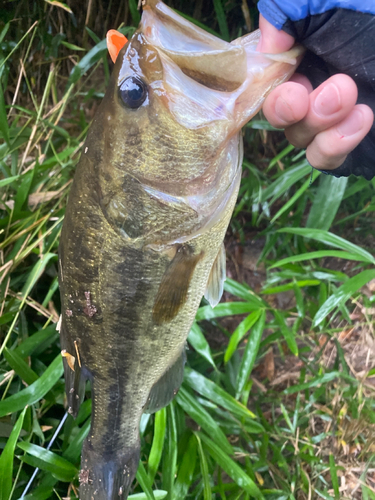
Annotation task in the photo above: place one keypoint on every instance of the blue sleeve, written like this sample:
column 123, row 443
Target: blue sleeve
column 278, row 12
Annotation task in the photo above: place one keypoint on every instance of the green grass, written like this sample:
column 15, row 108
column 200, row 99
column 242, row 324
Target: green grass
column 277, row 400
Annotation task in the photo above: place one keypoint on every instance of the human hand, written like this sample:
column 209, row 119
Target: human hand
column 326, row 121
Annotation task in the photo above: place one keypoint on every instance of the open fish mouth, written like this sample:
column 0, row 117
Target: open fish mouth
column 240, row 75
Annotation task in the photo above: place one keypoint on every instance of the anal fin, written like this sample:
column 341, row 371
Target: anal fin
column 215, row 285
column 167, row 386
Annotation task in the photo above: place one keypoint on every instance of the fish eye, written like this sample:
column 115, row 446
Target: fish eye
column 133, row 92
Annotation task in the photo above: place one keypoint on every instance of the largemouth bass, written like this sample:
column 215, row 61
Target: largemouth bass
column 142, row 239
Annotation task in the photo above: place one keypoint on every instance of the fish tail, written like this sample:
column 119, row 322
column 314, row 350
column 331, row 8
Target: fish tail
column 107, row 477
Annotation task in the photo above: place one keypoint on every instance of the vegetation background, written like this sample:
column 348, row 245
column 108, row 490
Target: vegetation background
column 277, row 401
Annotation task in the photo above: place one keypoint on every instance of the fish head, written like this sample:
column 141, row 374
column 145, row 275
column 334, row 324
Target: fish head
column 176, row 102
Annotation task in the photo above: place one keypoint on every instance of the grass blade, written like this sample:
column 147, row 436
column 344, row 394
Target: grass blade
column 170, row 453
column 49, row 461
column 207, row 493
column 220, row 14
column 244, row 292
column 134, row 12
column 186, row 470
column 239, row 333
column 158, row 495
column 286, row 332
column 157, row 443
column 320, row 254
column 22, row 369
column 35, row 391
column 250, row 354
column 7, row 458
column 230, row 467
column 198, row 341
column 342, row 294
column 212, row 391
column 331, row 240
column 224, row 309
column 329, row 195
column 144, row 481
column 196, row 411
column 334, row 478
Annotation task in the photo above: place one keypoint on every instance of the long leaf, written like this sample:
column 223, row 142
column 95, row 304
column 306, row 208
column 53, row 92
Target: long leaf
column 207, row 493
column 243, row 292
column 250, row 354
column 286, row 332
column 134, row 12
column 7, row 458
column 157, row 443
column 220, row 14
column 326, row 202
column 202, row 418
column 320, row 254
column 213, row 392
column 342, row 294
column 186, row 470
column 224, row 309
column 22, row 369
column 170, row 453
column 240, row 332
column 144, row 481
column 158, row 495
column 197, row 340
column 49, row 461
column 35, row 391
column 230, row 467
column 331, row 240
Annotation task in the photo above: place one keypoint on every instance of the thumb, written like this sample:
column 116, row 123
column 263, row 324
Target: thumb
column 273, row 41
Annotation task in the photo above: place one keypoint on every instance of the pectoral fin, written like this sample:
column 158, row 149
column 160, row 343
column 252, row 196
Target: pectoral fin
column 215, row 285
column 167, row 386
column 173, row 289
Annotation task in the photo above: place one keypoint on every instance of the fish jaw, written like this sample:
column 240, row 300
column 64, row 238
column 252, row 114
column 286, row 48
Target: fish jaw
column 205, row 75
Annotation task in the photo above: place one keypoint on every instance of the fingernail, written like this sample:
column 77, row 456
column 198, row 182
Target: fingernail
column 328, row 101
column 352, row 124
column 283, row 110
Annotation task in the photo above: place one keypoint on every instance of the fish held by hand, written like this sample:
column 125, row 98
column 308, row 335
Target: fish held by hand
column 142, row 239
